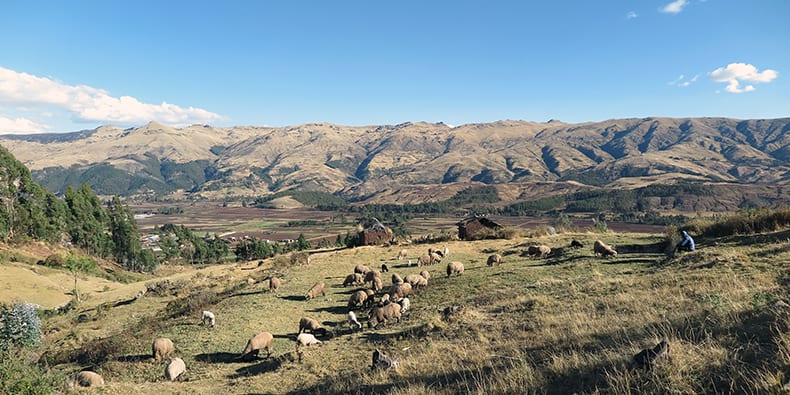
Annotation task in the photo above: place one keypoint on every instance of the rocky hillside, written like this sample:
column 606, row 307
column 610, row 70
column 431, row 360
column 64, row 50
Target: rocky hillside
column 378, row 162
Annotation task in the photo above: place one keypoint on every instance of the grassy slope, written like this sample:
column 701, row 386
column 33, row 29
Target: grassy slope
column 564, row 325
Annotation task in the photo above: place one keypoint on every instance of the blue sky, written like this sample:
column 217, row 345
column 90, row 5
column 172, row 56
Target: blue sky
column 73, row 65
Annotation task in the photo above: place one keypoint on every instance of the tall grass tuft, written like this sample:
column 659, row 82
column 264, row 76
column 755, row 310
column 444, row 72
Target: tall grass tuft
column 745, row 222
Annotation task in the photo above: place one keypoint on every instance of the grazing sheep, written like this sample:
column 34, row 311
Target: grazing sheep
column 369, row 276
column 307, row 339
column 175, row 368
column 539, row 251
column 455, row 267
column 353, row 323
column 357, row 299
column 424, row 260
column 378, row 284
column 396, row 279
column 86, row 378
column 351, row 279
column 436, row 258
column 405, row 305
column 494, row 259
column 384, row 268
column 380, row 315
column 316, row 289
column 309, row 324
column 425, row 274
column 361, row 269
column 576, row 244
column 600, row 248
column 274, row 284
column 162, row 348
column 416, row 281
column 207, row 317
column 385, row 299
column 402, row 254
column 261, row 341
column 400, row 291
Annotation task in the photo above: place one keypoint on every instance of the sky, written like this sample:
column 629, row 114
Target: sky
column 75, row 65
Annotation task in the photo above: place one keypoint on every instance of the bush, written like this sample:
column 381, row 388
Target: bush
column 747, row 222
column 20, row 326
column 55, row 260
column 20, row 375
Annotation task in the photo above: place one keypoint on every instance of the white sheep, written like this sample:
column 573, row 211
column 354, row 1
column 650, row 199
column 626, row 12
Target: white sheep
column 175, row 368
column 405, row 305
column 207, row 317
column 307, row 339
column 353, row 322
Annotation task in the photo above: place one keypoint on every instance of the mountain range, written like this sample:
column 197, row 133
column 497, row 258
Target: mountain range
column 411, row 162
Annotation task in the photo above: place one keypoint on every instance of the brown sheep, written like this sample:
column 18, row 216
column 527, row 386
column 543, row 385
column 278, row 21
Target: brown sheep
column 402, row 254
column 380, row 315
column 416, row 281
column 274, row 283
column 385, row 299
column 357, row 299
column 494, row 259
column 378, row 284
column 361, row 269
column 351, row 279
column 369, row 276
column 175, row 368
column 436, row 258
column 455, row 267
column 539, row 251
column 86, row 378
column 425, row 274
column 424, row 260
column 600, row 248
column 316, row 289
column 396, row 279
column 261, row 341
column 162, row 348
column 309, row 324
column 400, row 291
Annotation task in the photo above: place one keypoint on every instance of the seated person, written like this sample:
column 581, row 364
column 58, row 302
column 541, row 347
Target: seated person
column 687, row 244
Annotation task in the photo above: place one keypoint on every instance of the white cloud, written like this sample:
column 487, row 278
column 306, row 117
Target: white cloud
column 674, row 7
column 736, row 73
column 631, row 15
column 20, row 125
column 682, row 82
column 90, row 104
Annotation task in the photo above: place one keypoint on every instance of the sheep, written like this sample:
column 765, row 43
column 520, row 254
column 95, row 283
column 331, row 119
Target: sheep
column 436, row 258
column 87, row 378
column 425, row 274
column 649, row 357
column 261, row 341
column 424, row 260
column 384, row 268
column 274, row 284
column 400, row 291
column 309, row 324
column 600, row 248
column 576, row 244
column 162, row 348
column 405, row 305
column 175, row 368
column 369, row 276
column 361, row 269
column 306, row 339
column 416, row 281
column 455, row 267
column 385, row 299
column 207, row 317
column 316, row 289
column 540, row 251
column 383, row 361
column 396, row 279
column 446, row 252
column 494, row 259
column 353, row 323
column 377, row 285
column 380, row 315
column 402, row 254
column 357, row 299
column 351, row 279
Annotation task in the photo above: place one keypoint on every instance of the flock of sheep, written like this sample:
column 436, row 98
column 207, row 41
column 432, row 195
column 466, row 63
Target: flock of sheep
column 383, row 305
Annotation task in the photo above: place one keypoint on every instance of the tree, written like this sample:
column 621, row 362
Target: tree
column 78, row 265
column 302, row 243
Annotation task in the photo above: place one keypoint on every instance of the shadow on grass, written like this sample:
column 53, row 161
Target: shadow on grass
column 263, row 291
column 330, row 309
column 293, row 297
column 135, row 358
column 267, row 365
column 124, row 302
column 219, row 357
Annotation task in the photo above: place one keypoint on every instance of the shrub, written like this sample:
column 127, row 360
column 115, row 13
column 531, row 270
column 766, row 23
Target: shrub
column 20, row 326
column 20, row 375
column 746, row 222
column 55, row 260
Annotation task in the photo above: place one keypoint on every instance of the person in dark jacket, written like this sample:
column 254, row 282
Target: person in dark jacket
column 687, row 244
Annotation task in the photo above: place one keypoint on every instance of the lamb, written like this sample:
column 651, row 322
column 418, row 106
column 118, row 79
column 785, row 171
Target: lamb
column 455, row 267
column 416, row 281
column 353, row 323
column 380, row 315
column 384, row 268
column 424, row 260
column 400, row 291
column 274, row 284
column 175, row 368
column 576, row 244
column 540, row 251
column 402, row 254
column 494, row 259
column 405, row 305
column 261, row 341
column 162, row 348
column 425, row 274
column 396, row 279
column 87, row 378
column 309, row 324
column 357, row 299
column 307, row 339
column 600, row 248
column 361, row 269
column 207, row 317
column 316, row 289
column 351, row 279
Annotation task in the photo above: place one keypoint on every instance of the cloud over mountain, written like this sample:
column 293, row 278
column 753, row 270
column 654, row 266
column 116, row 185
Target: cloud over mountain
column 735, row 73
